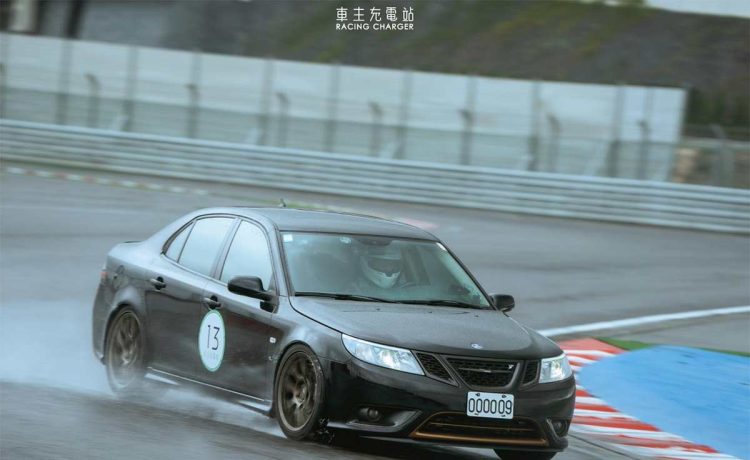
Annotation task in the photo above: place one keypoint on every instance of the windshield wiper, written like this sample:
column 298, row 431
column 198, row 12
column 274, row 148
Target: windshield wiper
column 332, row 295
column 443, row 303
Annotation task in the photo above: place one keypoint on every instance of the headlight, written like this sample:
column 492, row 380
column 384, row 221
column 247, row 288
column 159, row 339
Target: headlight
column 382, row 355
column 555, row 369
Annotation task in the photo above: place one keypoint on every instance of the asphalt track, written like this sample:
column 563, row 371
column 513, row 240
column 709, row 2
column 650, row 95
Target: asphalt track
column 55, row 233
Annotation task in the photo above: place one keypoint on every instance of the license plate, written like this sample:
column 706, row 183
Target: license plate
column 491, row 405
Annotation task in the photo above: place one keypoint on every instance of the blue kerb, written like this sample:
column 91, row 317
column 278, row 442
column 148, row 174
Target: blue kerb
column 700, row 395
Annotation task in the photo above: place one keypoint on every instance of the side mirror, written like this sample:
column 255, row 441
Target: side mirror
column 250, row 286
column 503, row 302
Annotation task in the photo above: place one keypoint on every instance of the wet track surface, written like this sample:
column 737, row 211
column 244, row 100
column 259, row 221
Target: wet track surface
column 55, row 235
column 42, row 423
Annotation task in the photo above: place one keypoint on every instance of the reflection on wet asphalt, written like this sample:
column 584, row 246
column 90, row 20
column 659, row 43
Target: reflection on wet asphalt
column 46, row 423
column 43, row 423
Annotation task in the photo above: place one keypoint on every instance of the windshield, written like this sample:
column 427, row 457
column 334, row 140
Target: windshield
column 378, row 268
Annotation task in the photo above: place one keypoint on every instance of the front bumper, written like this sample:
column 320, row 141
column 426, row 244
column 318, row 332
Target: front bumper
column 424, row 409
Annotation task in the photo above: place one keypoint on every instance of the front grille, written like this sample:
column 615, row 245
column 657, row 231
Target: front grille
column 529, row 374
column 483, row 372
column 454, row 426
column 433, row 367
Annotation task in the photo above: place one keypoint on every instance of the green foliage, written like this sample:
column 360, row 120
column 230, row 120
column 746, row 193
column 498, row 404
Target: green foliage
column 629, row 345
column 720, row 107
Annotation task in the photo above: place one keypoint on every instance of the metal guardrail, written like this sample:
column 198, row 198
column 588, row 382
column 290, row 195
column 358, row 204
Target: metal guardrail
column 616, row 200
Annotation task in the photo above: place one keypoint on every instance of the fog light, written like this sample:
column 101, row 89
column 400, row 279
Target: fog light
column 369, row 414
column 560, row 427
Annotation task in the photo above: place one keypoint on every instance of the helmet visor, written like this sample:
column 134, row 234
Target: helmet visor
column 383, row 265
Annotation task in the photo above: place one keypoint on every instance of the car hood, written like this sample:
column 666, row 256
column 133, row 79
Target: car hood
column 443, row 330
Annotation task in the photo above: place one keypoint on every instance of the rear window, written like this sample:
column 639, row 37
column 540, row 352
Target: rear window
column 203, row 244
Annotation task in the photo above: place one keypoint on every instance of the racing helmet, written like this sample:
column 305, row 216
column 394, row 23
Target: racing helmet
column 382, row 264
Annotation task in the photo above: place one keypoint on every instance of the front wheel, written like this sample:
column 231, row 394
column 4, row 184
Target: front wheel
column 125, row 353
column 300, row 385
column 517, row 455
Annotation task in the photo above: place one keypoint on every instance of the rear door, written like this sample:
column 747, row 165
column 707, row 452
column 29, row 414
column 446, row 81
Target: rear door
column 174, row 296
column 244, row 365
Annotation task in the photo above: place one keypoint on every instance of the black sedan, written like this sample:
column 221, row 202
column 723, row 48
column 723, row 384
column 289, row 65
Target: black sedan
column 330, row 321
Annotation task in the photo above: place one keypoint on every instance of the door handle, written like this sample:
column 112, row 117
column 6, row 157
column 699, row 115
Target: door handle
column 158, row 282
column 211, row 302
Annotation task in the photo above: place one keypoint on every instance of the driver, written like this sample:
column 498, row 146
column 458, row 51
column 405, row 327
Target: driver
column 380, row 266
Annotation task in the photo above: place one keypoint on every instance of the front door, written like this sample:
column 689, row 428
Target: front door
column 244, row 365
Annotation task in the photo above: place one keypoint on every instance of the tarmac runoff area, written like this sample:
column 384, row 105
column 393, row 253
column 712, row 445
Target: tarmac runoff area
column 681, row 392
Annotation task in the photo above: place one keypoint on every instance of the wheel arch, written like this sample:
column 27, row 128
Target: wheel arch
column 125, row 299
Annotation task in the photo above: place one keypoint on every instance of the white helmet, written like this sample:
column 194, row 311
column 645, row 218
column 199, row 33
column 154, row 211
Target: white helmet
column 382, row 264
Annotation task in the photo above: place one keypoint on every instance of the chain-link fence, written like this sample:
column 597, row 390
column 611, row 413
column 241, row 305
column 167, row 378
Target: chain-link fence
column 612, row 131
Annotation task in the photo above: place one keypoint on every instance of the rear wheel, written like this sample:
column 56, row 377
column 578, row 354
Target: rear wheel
column 298, row 402
column 517, row 455
column 124, row 353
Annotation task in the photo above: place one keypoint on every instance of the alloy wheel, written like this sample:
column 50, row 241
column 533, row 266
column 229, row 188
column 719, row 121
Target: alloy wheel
column 297, row 391
column 124, row 352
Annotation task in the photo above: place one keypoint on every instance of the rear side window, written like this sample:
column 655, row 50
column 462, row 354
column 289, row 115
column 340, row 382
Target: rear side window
column 175, row 247
column 248, row 255
column 203, row 243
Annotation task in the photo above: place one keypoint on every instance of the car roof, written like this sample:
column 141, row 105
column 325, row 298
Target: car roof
column 303, row 220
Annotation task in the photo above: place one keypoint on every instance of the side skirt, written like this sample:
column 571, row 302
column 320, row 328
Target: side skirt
column 263, row 406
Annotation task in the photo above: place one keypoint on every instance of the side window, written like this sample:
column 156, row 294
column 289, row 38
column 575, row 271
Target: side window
column 248, row 255
column 204, row 243
column 175, row 247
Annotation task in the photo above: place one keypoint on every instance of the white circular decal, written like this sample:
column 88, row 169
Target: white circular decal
column 211, row 340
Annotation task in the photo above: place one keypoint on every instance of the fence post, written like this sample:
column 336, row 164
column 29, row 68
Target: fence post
column 63, row 82
column 643, row 150
column 2, row 89
column 131, row 88
column 92, row 110
column 672, row 160
column 265, row 101
column 554, row 146
column 403, row 118
column 333, row 94
column 645, row 125
column 283, row 119
column 377, row 128
column 613, row 154
column 536, row 90
column 194, row 96
column 722, row 166
column 4, row 69
column 468, row 117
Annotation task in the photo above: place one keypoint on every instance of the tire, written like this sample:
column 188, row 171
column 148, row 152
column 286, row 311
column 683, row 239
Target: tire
column 298, row 393
column 124, row 353
column 518, row 455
